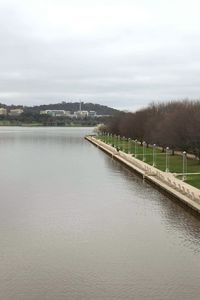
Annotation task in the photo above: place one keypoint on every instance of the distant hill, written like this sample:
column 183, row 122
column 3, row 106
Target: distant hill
column 69, row 106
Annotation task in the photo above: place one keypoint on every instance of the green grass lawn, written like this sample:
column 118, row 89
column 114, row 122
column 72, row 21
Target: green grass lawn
column 175, row 161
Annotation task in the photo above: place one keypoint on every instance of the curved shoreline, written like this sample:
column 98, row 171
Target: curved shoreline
column 182, row 191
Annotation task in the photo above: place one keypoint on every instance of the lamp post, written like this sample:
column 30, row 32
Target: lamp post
column 132, row 141
column 135, row 148
column 154, row 155
column 118, row 141
column 167, row 160
column 123, row 142
column 108, row 138
column 111, row 139
column 129, row 146
column 184, row 165
column 144, row 150
column 114, row 140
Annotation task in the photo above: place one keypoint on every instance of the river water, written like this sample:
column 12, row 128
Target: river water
column 75, row 224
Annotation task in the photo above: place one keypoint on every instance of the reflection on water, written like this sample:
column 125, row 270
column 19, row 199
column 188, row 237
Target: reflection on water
column 41, row 135
column 75, row 224
column 177, row 217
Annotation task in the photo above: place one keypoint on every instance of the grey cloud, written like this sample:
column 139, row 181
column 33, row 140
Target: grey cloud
column 127, row 66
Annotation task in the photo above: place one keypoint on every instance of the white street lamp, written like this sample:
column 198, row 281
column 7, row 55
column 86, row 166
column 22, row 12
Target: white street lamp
column 136, row 144
column 132, row 141
column 118, row 141
column 167, row 160
column 154, row 155
column 144, row 151
column 108, row 138
column 129, row 145
column 115, row 140
column 124, row 139
column 184, row 165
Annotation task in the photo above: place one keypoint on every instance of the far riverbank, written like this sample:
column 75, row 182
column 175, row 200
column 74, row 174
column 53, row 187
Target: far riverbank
column 18, row 124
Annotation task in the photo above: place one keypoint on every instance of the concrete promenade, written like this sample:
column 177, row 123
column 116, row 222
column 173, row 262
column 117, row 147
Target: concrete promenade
column 188, row 194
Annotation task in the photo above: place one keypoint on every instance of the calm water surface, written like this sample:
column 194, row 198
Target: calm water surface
column 74, row 224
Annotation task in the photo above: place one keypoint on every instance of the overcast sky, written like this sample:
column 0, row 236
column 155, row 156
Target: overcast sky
column 123, row 54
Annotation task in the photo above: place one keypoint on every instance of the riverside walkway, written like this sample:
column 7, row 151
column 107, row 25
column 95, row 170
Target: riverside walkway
column 188, row 194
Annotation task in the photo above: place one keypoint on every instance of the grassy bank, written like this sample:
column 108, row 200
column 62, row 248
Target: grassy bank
column 158, row 158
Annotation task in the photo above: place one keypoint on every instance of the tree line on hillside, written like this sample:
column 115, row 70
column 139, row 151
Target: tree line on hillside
column 73, row 106
column 68, row 106
column 31, row 118
column 174, row 124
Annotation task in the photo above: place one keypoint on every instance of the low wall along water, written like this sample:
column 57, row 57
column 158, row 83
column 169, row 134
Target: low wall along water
column 186, row 193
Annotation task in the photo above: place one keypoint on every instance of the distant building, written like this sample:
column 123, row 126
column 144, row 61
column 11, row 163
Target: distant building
column 81, row 114
column 68, row 113
column 56, row 113
column 43, row 112
column 53, row 113
column 16, row 112
column 3, row 111
column 92, row 114
column 102, row 116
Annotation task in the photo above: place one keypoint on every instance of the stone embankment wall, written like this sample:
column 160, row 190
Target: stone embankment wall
column 166, row 181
